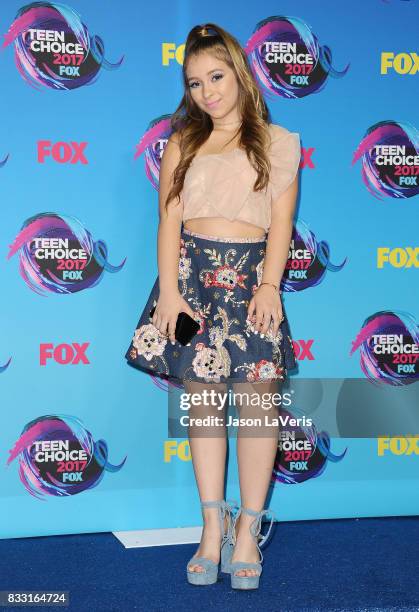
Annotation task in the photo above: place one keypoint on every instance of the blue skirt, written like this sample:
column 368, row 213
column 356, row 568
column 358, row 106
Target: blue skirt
column 217, row 277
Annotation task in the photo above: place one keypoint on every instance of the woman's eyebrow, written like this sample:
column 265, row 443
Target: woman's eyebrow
column 209, row 72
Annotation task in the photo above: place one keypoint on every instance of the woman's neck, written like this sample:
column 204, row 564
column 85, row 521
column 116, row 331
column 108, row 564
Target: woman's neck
column 229, row 125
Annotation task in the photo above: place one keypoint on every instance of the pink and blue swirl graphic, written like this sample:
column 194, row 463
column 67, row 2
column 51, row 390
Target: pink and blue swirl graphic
column 152, row 145
column 287, row 59
column 388, row 344
column 69, row 57
column 58, row 456
column 390, row 160
column 308, row 260
column 58, row 255
column 3, row 161
column 4, row 367
column 302, row 453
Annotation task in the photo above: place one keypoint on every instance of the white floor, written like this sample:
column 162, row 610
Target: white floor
column 159, row 537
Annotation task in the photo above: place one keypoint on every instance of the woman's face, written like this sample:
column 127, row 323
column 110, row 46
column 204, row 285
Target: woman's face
column 213, row 86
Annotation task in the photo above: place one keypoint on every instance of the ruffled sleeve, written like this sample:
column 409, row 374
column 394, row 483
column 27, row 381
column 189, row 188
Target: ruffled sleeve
column 285, row 155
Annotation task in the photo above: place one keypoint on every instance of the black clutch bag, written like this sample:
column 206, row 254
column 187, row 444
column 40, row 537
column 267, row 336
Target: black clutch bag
column 186, row 327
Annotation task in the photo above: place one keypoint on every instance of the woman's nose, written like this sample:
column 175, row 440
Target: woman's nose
column 207, row 91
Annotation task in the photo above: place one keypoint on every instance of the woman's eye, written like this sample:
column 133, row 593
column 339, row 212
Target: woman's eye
column 194, row 84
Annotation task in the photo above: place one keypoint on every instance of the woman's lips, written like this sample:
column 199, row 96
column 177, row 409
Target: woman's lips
column 212, row 104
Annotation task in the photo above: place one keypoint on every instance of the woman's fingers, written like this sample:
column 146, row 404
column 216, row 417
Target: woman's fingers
column 266, row 319
column 192, row 312
column 259, row 318
column 251, row 308
column 276, row 320
column 163, row 326
column 172, row 329
column 160, row 322
column 166, row 323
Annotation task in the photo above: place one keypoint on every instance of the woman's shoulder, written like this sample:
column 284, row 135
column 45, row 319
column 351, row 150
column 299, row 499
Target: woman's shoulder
column 171, row 153
column 285, row 156
column 283, row 141
column 174, row 138
column 279, row 132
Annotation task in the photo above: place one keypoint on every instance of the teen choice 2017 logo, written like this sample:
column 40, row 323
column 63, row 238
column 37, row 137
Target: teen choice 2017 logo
column 54, row 49
column 389, row 154
column 308, row 260
column 152, row 145
column 58, row 255
column 58, row 456
column 389, row 348
column 302, row 452
column 287, row 58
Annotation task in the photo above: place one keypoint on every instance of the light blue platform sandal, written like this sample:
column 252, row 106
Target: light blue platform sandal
column 249, row 582
column 210, row 573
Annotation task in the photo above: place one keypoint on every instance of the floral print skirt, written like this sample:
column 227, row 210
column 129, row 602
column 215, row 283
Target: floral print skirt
column 217, row 277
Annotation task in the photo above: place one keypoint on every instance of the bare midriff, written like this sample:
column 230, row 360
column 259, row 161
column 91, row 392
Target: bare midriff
column 222, row 228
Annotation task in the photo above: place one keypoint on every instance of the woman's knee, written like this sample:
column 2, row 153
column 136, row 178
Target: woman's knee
column 207, row 409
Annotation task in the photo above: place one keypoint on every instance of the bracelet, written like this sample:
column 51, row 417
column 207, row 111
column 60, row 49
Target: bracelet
column 271, row 284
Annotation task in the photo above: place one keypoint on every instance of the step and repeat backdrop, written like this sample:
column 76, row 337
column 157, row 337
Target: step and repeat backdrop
column 88, row 90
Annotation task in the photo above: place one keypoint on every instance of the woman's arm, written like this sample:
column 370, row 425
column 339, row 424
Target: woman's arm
column 170, row 302
column 279, row 236
column 266, row 302
column 170, row 221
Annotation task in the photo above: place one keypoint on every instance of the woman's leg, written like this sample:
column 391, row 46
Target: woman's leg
column 208, row 446
column 256, row 451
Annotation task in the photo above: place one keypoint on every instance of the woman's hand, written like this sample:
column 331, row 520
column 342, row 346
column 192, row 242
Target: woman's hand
column 168, row 307
column 264, row 306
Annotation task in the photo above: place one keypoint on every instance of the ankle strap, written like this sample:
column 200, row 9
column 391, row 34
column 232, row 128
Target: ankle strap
column 225, row 509
column 249, row 511
column 256, row 525
column 220, row 504
column 212, row 504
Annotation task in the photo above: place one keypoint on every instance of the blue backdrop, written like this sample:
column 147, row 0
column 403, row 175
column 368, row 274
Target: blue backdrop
column 65, row 386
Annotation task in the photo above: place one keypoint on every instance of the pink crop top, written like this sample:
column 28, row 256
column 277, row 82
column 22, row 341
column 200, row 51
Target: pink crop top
column 221, row 184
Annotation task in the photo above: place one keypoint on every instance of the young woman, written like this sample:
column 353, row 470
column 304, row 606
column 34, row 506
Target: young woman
column 227, row 195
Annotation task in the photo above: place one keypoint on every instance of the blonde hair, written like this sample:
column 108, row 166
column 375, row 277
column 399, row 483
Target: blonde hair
column 194, row 125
